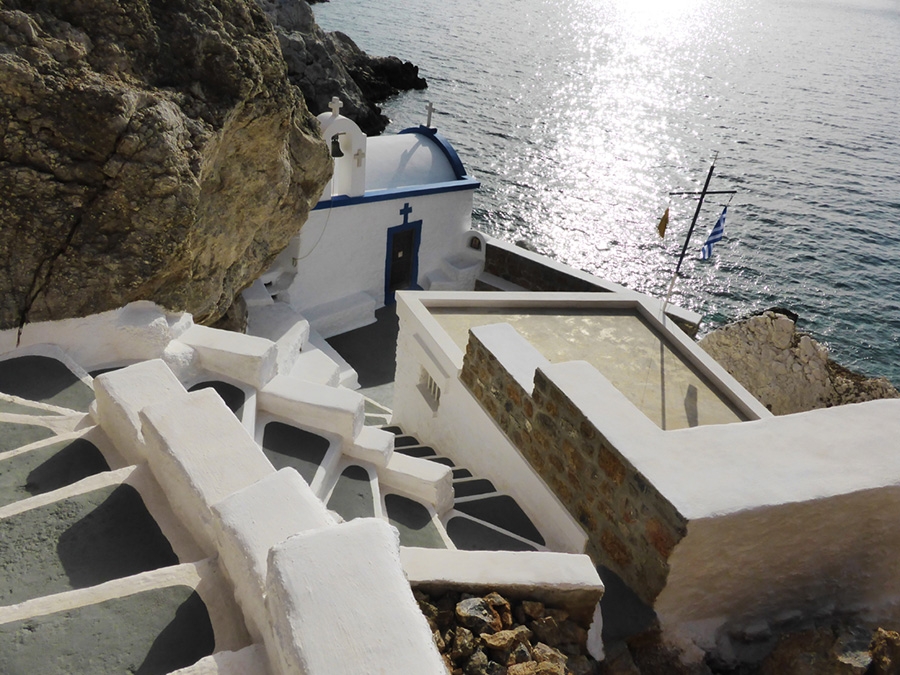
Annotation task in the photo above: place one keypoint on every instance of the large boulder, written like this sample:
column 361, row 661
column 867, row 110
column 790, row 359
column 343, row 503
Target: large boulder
column 324, row 65
column 785, row 370
column 151, row 149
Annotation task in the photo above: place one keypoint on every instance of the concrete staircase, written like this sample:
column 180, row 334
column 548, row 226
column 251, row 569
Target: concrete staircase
column 481, row 518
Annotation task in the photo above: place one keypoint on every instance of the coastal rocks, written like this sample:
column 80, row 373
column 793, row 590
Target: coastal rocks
column 150, row 150
column 378, row 77
column 490, row 635
column 324, row 65
column 885, row 651
column 477, row 615
column 811, row 652
column 787, row 371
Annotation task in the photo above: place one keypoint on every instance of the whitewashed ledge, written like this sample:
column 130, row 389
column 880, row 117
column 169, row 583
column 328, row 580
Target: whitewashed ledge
column 560, row 580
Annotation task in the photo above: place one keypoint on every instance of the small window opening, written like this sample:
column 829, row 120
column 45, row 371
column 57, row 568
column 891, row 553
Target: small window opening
column 430, row 390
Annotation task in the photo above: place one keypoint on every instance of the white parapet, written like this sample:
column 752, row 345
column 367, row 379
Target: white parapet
column 562, row 580
column 372, row 445
column 347, row 377
column 340, row 315
column 516, row 354
column 200, row 454
column 250, row 522
column 314, row 365
column 140, row 330
column 420, row 478
column 339, row 603
column 245, row 358
column 282, row 325
column 248, row 661
column 122, row 394
column 256, row 295
column 314, row 405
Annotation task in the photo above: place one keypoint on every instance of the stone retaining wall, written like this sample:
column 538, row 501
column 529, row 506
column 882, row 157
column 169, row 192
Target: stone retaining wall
column 532, row 275
column 632, row 528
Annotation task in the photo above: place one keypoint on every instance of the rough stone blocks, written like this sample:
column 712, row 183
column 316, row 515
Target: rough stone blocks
column 122, row 394
column 367, row 622
column 319, row 406
column 251, row 521
column 243, row 357
column 200, row 454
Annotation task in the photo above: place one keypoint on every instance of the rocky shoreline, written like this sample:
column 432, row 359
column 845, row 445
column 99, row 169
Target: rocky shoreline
column 787, row 370
column 326, row 64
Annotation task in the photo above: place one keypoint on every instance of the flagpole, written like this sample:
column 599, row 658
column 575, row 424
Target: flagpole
column 696, row 213
column 688, row 238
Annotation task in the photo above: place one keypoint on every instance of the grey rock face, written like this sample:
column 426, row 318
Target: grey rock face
column 785, row 370
column 324, row 65
column 153, row 150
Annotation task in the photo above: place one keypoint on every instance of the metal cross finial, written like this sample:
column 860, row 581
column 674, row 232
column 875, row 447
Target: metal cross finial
column 359, row 157
column 430, row 110
column 335, row 105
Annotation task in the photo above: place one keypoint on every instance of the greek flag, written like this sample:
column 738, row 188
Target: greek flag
column 715, row 236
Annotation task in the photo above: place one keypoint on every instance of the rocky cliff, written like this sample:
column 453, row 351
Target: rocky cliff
column 324, row 64
column 151, row 149
column 785, row 370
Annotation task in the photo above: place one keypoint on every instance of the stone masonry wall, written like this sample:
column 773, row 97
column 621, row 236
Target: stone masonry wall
column 531, row 275
column 632, row 528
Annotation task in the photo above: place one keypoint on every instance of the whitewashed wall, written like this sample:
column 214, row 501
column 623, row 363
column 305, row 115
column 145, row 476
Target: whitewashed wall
column 342, row 251
column 141, row 330
column 461, row 430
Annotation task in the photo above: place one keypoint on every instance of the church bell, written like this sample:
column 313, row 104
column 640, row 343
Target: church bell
column 336, row 146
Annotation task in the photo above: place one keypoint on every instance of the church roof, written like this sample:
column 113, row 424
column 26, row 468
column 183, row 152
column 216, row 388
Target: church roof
column 414, row 157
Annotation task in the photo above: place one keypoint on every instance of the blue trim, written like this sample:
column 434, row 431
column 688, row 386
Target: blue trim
column 416, row 227
column 444, row 145
column 466, row 183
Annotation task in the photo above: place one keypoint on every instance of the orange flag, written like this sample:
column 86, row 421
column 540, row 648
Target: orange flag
column 663, row 222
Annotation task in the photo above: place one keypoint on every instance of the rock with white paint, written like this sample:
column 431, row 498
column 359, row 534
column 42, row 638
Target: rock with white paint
column 200, row 454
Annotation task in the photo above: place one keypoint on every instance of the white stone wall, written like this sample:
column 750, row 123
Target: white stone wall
column 461, row 430
column 342, row 251
column 336, row 601
column 757, row 571
column 138, row 331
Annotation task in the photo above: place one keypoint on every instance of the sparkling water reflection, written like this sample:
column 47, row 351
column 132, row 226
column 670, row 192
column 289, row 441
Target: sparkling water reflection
column 579, row 117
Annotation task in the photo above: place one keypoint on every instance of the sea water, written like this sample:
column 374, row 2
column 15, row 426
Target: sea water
column 581, row 116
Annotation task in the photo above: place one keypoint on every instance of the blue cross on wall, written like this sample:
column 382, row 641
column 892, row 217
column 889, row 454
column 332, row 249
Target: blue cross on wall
column 405, row 211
